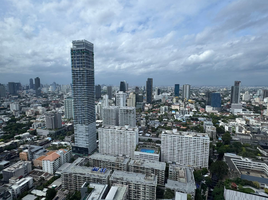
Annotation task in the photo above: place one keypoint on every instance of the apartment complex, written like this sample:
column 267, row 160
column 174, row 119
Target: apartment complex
column 21, row 168
column 118, row 140
column 75, row 176
column 185, row 148
column 108, row 161
column 149, row 167
column 140, row 186
column 121, row 98
column 127, row 116
column 111, row 116
column 18, row 186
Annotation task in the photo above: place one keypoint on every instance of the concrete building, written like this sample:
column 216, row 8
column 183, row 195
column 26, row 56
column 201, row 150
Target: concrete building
column 111, row 116
column 14, row 106
column 118, row 192
column 140, row 186
column 186, row 92
column 98, row 191
column 2, row 91
column 131, row 101
column 20, row 168
column 68, row 108
column 12, row 88
column 75, row 176
column 18, row 186
column 37, row 86
column 117, row 140
column 149, row 90
column 82, row 60
column 235, row 93
column 127, row 116
column 185, row 148
column 53, row 161
column 236, row 195
column 109, row 162
column 121, row 98
column 105, row 101
column 149, row 167
column 31, row 85
column 53, row 120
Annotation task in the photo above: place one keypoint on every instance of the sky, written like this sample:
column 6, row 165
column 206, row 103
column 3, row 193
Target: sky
column 208, row 42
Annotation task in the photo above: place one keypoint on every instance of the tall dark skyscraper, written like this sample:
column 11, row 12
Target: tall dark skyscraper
column 109, row 91
column 264, row 93
column 177, row 90
column 123, row 86
column 37, row 86
column 235, row 92
column 98, row 91
column 12, row 88
column 158, row 91
column 31, row 83
column 215, row 100
column 137, row 90
column 2, row 91
column 82, row 60
column 149, row 90
column 208, row 97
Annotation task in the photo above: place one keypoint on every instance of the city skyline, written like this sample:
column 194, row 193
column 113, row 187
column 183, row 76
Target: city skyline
column 175, row 40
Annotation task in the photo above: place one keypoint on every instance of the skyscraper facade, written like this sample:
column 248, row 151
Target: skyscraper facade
column 68, row 108
column 177, row 90
column 121, row 99
column 265, row 93
column 98, row 91
column 123, row 86
column 12, row 88
column 186, row 91
column 215, row 99
column 37, row 86
column 82, row 58
column 2, row 91
column 109, row 91
column 149, row 90
column 235, row 92
column 31, row 83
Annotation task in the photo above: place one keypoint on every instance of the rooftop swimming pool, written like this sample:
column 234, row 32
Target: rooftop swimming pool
column 147, row 150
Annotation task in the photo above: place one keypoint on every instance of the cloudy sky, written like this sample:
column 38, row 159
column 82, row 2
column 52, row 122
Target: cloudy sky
column 208, row 42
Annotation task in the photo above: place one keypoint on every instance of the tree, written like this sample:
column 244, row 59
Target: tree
column 218, row 191
column 198, row 176
column 226, row 138
column 219, row 168
column 51, row 193
column 220, row 130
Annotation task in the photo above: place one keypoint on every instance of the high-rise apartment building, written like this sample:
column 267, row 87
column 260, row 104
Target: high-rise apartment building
column 82, row 58
column 177, row 90
column 235, row 92
column 111, row 116
column 123, row 86
column 121, row 98
column 109, row 91
column 186, row 91
column 2, row 91
column 31, row 85
column 53, row 120
column 68, row 108
column 98, row 91
column 149, row 90
column 127, row 116
column 131, row 101
column 118, row 140
column 185, row 148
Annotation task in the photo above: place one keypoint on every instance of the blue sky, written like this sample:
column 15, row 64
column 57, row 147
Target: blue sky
column 206, row 42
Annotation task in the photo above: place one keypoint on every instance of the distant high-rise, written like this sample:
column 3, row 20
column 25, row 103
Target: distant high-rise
column 127, row 116
column 121, row 99
column 158, row 91
column 215, row 100
column 137, row 90
column 68, row 108
column 2, row 91
column 37, row 86
column 12, row 88
column 149, row 90
column 177, row 90
column 98, row 91
column 235, row 92
column 123, row 86
column 131, row 101
column 208, row 97
column 82, row 60
column 186, row 91
column 109, row 91
column 265, row 93
column 31, row 84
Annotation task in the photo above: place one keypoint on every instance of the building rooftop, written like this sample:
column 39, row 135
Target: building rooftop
column 17, row 165
column 184, row 133
column 98, row 191
column 134, row 178
column 52, row 157
column 117, row 192
column 98, row 172
column 148, row 164
column 116, row 159
column 120, row 128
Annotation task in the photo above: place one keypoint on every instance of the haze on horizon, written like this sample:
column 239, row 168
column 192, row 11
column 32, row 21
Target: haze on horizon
column 197, row 42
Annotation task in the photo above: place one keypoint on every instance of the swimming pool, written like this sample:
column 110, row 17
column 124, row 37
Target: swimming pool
column 147, row 150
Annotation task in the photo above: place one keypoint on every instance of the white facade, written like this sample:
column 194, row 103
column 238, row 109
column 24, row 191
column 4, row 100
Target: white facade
column 111, row 116
column 21, row 185
column 131, row 101
column 14, row 106
column 146, row 156
column 186, row 148
column 121, row 98
column 127, row 116
column 68, row 108
column 235, row 195
column 117, row 140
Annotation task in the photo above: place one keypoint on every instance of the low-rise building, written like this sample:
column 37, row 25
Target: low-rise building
column 118, row 192
column 140, row 186
column 18, row 186
column 19, row 169
column 236, row 195
column 149, row 167
column 109, row 162
column 97, row 191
